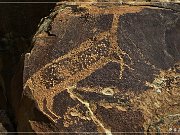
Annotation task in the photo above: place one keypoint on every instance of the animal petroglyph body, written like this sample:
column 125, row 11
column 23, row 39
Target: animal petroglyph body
column 79, row 63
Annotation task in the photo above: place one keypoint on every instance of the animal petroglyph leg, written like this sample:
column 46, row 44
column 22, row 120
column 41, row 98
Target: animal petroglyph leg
column 115, row 47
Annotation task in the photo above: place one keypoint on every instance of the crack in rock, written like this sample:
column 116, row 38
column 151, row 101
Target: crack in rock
column 87, row 105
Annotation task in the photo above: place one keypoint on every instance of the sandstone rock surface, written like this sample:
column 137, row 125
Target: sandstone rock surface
column 103, row 68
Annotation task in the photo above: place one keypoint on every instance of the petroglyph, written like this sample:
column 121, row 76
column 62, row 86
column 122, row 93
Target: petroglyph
column 68, row 67
column 76, row 65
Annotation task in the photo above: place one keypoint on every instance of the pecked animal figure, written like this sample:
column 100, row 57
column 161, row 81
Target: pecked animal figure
column 90, row 62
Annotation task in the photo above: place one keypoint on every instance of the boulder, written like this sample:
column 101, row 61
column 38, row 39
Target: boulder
column 103, row 68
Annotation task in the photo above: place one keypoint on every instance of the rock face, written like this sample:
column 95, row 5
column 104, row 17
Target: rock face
column 18, row 22
column 5, row 123
column 103, row 68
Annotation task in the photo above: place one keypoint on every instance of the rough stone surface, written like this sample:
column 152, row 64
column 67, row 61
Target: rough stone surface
column 5, row 123
column 103, row 68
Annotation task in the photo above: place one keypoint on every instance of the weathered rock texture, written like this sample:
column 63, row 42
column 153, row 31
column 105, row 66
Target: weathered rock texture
column 5, row 123
column 18, row 24
column 103, row 68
